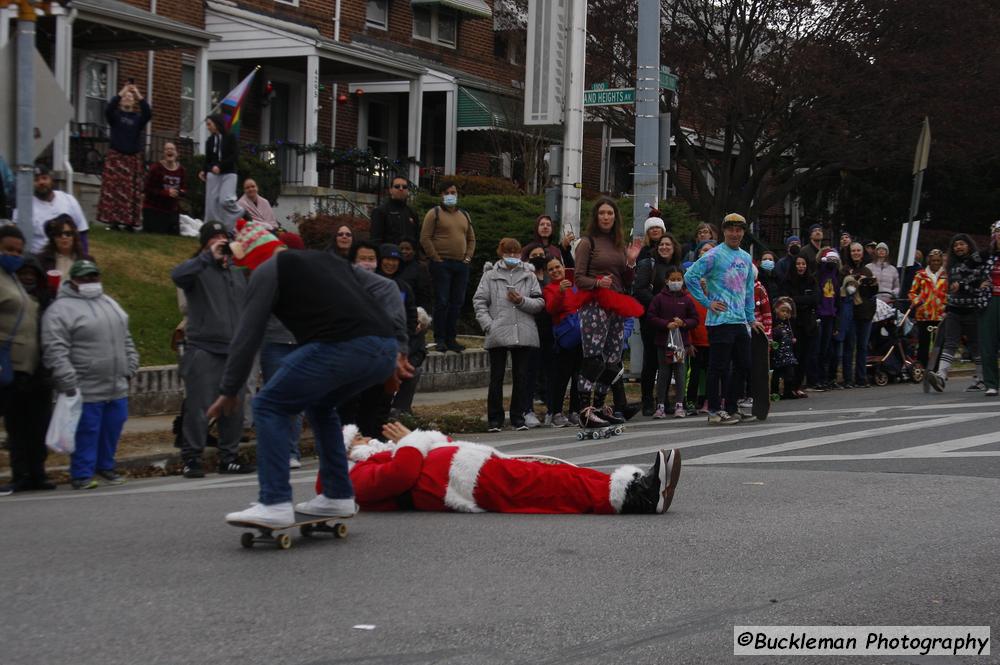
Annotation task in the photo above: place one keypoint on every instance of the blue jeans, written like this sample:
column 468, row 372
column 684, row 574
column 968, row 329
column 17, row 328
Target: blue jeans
column 271, row 356
column 856, row 352
column 730, row 349
column 316, row 378
column 97, row 437
column 451, row 278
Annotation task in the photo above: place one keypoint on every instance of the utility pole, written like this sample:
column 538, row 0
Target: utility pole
column 572, row 152
column 647, row 113
column 25, row 152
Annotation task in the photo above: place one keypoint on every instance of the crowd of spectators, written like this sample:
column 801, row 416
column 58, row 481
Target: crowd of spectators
column 561, row 309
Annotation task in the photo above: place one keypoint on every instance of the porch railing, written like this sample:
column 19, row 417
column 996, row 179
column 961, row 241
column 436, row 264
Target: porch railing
column 88, row 144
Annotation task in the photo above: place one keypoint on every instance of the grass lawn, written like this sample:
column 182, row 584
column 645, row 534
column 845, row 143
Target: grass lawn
column 135, row 269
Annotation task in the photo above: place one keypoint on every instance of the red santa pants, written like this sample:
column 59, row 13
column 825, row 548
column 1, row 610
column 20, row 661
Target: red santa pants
column 516, row 486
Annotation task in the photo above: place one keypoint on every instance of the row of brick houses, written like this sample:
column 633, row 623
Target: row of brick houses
column 426, row 84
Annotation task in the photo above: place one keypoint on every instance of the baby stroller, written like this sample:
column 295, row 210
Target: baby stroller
column 890, row 356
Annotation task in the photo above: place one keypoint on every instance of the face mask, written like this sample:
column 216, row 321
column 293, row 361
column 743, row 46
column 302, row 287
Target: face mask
column 767, row 264
column 450, row 199
column 367, row 265
column 539, row 262
column 851, row 290
column 794, row 250
column 10, row 263
column 91, row 290
column 512, row 261
column 675, row 286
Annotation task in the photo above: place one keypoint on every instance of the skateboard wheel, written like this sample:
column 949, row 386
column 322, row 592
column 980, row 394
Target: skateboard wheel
column 246, row 540
column 595, row 435
column 340, row 530
column 284, row 541
column 306, row 530
column 619, row 430
column 580, row 435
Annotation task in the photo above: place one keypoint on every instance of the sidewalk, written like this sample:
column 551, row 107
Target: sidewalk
column 146, row 424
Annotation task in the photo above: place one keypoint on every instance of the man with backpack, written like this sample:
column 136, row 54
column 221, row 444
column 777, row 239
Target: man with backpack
column 449, row 241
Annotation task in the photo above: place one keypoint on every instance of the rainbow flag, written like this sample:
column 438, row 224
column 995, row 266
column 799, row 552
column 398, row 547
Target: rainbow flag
column 232, row 105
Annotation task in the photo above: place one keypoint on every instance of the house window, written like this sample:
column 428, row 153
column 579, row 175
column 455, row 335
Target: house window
column 293, row 3
column 96, row 79
column 187, row 99
column 377, row 15
column 222, row 83
column 435, row 24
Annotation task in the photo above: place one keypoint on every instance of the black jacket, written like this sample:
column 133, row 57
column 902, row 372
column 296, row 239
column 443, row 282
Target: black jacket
column 802, row 290
column 395, row 221
column 221, row 150
column 650, row 276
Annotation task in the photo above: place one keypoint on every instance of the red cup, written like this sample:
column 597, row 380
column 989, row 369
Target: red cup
column 54, row 277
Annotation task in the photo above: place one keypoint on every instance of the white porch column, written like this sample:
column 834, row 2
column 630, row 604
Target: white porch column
column 202, row 98
column 63, row 66
column 450, row 130
column 310, row 178
column 6, row 14
column 416, row 122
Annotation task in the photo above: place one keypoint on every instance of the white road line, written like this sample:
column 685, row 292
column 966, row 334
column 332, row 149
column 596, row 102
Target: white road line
column 735, row 433
column 935, row 449
column 752, row 455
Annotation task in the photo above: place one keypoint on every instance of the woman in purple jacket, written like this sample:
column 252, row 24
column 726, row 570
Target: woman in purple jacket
column 827, row 308
column 671, row 309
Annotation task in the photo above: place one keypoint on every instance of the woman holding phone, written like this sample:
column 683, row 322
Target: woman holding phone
column 506, row 301
column 605, row 268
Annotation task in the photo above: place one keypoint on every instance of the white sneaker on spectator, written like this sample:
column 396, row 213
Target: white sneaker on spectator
column 660, row 412
column 326, row 507
column 991, row 392
column 278, row 515
column 531, row 420
column 559, row 420
column 294, row 463
column 679, row 411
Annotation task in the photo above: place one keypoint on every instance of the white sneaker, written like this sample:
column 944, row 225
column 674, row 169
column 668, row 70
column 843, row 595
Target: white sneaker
column 531, row 420
column 991, row 392
column 325, row 507
column 278, row 515
column 294, row 463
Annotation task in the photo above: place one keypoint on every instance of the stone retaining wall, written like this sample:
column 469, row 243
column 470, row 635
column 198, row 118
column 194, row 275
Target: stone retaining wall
column 159, row 390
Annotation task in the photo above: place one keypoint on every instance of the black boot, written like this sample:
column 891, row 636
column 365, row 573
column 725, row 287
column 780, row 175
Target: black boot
column 653, row 491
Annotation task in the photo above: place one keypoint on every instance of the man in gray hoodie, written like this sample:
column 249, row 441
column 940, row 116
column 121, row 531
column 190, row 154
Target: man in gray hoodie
column 87, row 345
column 214, row 291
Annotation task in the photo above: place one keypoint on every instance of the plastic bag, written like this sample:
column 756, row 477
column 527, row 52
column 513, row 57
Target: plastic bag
column 61, row 437
column 675, row 345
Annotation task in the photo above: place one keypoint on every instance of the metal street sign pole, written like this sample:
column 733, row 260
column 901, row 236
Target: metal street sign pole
column 25, row 150
column 647, row 113
column 911, row 230
column 572, row 173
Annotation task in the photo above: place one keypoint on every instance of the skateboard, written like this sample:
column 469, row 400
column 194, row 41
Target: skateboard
column 935, row 351
column 542, row 459
column 760, row 375
column 307, row 524
column 599, row 432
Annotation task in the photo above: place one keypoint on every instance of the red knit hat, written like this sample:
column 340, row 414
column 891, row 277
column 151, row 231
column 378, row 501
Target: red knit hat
column 253, row 244
column 291, row 240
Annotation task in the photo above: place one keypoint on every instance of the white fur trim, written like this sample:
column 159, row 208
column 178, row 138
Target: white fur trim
column 349, row 431
column 423, row 440
column 363, row 452
column 620, row 480
column 462, row 476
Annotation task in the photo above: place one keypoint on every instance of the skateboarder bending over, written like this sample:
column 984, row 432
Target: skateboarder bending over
column 349, row 325
column 729, row 299
column 429, row 471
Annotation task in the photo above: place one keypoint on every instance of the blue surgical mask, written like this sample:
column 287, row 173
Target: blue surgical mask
column 767, row 264
column 512, row 261
column 10, row 263
column 675, row 286
column 450, row 199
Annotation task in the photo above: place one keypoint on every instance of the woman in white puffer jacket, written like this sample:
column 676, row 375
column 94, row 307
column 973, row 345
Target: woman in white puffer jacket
column 506, row 302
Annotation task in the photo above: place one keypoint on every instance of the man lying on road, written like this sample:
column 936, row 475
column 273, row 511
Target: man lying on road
column 429, row 471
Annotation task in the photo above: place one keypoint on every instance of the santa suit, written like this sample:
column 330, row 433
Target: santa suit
column 428, row 471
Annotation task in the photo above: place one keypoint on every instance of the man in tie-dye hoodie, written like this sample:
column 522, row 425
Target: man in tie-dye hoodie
column 728, row 296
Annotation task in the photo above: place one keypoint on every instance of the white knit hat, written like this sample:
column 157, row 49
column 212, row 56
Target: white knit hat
column 654, row 222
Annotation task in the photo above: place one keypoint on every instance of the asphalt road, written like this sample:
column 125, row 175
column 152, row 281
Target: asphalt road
column 866, row 507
